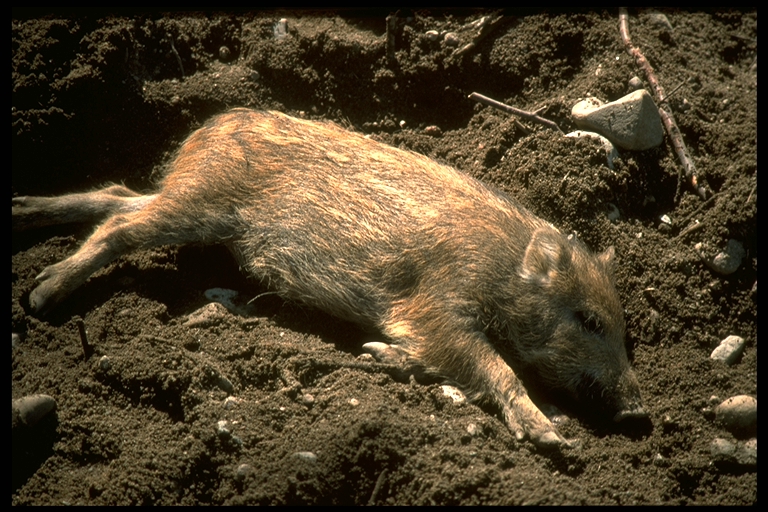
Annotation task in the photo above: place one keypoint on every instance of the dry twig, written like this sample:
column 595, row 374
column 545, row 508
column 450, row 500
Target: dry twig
column 176, row 53
column 87, row 348
column 664, row 110
column 391, row 35
column 377, row 487
column 531, row 116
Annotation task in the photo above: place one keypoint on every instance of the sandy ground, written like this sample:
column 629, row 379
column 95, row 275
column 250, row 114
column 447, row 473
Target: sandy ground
column 99, row 99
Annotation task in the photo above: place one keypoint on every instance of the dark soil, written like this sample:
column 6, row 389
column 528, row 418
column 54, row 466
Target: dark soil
column 108, row 98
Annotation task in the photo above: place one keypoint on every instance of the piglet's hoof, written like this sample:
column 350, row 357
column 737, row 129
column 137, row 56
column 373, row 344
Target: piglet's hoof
column 386, row 353
column 41, row 299
column 554, row 441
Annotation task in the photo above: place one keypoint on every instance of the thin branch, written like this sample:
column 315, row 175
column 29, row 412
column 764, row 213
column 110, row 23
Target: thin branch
column 664, row 110
column 391, row 36
column 87, row 348
column 531, row 116
column 377, row 487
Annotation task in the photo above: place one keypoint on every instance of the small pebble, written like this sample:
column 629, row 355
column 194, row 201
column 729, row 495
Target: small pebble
column 15, row 340
column 635, row 84
column 242, row 471
column 433, row 130
column 613, row 212
column 354, row 402
column 738, row 414
column 225, row 384
column 222, row 429
column 729, row 350
column 307, row 400
column 105, row 364
column 432, row 35
column 473, row 429
column 451, row 39
column 224, row 53
column 281, row 28
column 231, row 402
column 306, row 456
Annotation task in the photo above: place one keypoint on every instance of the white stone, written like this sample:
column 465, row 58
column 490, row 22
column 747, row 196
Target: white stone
column 631, row 122
column 306, row 456
column 729, row 349
column 210, row 314
column 454, row 393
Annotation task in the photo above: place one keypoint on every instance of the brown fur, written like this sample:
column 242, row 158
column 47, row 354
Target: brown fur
column 464, row 281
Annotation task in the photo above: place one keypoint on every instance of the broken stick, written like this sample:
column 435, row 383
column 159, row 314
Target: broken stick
column 664, row 110
column 531, row 116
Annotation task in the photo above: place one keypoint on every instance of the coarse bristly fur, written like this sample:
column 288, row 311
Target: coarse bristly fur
column 464, row 281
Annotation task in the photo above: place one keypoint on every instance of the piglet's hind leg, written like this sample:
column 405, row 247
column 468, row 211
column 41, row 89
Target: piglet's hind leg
column 29, row 212
column 155, row 224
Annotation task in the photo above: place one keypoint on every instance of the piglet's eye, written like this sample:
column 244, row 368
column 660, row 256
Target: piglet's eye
column 590, row 322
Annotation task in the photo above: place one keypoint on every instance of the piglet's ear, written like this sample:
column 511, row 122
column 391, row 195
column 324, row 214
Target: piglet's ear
column 608, row 258
column 547, row 254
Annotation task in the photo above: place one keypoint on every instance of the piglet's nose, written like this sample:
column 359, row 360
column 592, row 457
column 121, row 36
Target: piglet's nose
column 637, row 413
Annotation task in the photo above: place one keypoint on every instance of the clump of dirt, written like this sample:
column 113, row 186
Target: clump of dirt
column 277, row 407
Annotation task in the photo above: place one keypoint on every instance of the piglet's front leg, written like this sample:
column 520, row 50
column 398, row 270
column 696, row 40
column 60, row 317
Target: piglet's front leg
column 470, row 360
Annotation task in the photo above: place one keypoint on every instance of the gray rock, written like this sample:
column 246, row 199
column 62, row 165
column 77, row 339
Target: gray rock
column 225, row 384
column 722, row 449
column 631, row 122
column 743, row 454
column 729, row 349
column 635, row 84
column 729, row 259
column 27, row 411
column 659, row 21
column 612, row 212
column 242, row 471
column 105, row 364
column 746, row 455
